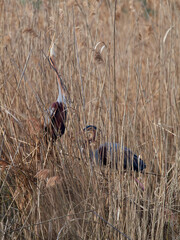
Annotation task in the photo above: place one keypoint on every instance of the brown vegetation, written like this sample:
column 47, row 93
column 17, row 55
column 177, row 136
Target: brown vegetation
column 50, row 191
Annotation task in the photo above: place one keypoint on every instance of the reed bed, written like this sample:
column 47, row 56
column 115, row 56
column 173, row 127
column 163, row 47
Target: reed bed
column 130, row 90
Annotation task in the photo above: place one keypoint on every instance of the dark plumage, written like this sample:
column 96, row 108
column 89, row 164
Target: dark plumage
column 90, row 127
column 113, row 152
column 57, row 120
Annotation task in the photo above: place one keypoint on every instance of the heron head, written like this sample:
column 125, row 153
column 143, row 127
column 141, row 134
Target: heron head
column 90, row 132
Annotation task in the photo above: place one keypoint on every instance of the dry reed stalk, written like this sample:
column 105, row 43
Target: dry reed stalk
column 147, row 120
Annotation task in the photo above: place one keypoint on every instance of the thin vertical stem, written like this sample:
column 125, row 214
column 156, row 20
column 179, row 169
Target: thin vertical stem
column 115, row 93
column 79, row 68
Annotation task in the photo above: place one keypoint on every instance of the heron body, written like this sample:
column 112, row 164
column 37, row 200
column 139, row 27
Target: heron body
column 112, row 153
column 55, row 124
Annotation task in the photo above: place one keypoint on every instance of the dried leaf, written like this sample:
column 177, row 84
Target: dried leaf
column 30, row 31
column 42, row 174
column 53, row 181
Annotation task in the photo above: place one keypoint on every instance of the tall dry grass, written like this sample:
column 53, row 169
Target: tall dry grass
column 51, row 191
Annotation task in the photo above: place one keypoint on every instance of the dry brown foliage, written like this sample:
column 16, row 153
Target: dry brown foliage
column 52, row 191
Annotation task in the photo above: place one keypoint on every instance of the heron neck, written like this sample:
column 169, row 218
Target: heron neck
column 61, row 98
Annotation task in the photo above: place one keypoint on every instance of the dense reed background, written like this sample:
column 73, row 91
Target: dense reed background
column 130, row 91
